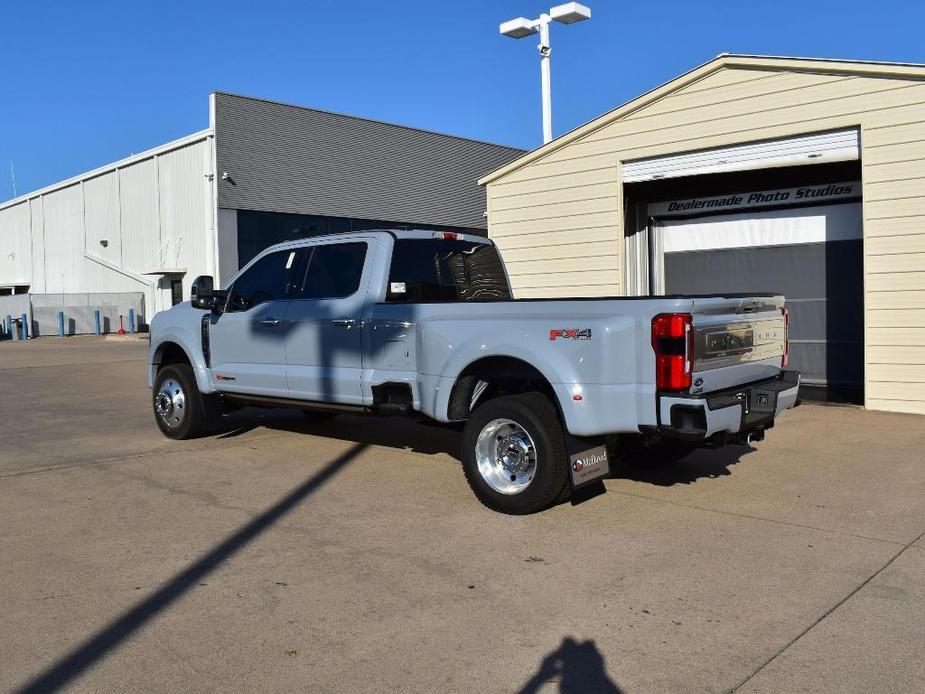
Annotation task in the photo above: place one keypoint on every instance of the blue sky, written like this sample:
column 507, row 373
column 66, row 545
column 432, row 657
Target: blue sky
column 85, row 83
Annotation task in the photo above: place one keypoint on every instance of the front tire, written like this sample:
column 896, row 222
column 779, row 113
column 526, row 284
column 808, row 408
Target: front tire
column 180, row 410
column 514, row 454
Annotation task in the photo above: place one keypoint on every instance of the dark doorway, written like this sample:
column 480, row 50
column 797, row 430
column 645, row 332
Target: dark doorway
column 176, row 291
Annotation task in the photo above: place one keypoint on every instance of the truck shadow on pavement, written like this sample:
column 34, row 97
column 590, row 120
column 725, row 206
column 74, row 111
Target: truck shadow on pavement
column 576, row 667
column 433, row 439
column 392, row 432
column 703, row 463
column 70, row 666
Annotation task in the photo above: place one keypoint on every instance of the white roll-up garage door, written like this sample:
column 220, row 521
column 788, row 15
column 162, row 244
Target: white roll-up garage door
column 817, row 148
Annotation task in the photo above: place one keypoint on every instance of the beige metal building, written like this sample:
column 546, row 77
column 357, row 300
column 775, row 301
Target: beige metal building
column 747, row 174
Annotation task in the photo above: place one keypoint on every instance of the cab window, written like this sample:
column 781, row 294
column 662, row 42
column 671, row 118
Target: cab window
column 330, row 271
column 427, row 270
column 265, row 280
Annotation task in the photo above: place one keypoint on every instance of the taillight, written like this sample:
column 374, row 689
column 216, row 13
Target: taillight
column 446, row 235
column 672, row 340
column 786, row 357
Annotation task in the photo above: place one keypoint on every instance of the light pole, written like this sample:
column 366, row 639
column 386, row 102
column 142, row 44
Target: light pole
column 569, row 13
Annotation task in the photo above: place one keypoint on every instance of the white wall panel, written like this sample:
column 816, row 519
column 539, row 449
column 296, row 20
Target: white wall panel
column 64, row 241
column 141, row 236
column 15, row 246
column 37, row 219
column 101, row 216
column 67, row 269
column 184, row 194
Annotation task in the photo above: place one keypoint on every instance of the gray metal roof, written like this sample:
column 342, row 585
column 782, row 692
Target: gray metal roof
column 287, row 158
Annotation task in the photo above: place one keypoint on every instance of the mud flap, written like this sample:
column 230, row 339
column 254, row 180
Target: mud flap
column 588, row 466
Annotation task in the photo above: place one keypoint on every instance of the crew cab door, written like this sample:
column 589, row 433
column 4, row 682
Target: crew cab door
column 324, row 338
column 247, row 340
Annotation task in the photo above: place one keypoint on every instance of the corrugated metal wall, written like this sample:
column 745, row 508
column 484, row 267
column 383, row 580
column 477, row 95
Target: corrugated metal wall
column 15, row 245
column 290, row 159
column 13, row 305
column 42, row 312
column 79, row 312
column 139, row 223
column 102, row 231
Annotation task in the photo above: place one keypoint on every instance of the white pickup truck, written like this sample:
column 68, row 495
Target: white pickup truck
column 415, row 322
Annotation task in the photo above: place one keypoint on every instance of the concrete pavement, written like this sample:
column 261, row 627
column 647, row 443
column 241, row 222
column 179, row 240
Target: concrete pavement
column 351, row 556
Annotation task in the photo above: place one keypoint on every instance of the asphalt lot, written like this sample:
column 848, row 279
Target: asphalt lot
column 351, row 556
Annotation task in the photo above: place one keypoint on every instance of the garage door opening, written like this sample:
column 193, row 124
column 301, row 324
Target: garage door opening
column 813, row 256
column 803, row 241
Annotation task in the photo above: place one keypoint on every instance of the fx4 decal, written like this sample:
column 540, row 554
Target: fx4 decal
column 570, row 334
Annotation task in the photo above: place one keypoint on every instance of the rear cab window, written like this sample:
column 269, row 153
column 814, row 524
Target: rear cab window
column 444, row 270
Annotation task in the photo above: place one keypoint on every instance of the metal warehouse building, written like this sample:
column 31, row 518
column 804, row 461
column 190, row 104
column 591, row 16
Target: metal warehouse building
column 262, row 172
column 747, row 174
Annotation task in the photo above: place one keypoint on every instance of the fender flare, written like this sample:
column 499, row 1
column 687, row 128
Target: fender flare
column 452, row 381
column 194, row 356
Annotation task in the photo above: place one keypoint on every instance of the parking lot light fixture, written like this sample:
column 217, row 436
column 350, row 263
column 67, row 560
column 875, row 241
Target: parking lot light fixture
column 518, row 28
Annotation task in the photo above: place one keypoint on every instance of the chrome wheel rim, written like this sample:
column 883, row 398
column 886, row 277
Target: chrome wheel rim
column 170, row 403
column 506, row 456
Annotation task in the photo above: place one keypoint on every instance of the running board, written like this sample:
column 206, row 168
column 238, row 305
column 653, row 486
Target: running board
column 267, row 401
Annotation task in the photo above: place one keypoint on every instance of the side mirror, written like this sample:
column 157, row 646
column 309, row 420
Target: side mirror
column 202, row 292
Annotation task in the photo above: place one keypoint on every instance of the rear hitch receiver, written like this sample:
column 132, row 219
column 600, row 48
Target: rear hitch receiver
column 751, row 437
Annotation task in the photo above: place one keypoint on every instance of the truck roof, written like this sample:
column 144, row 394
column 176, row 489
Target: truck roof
column 421, row 234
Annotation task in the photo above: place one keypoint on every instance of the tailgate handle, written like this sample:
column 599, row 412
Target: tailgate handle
column 751, row 306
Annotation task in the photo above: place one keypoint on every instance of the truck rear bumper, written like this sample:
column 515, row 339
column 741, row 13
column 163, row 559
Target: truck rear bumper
column 743, row 410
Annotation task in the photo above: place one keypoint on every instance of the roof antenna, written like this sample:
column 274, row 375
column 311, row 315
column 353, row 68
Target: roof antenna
column 13, row 178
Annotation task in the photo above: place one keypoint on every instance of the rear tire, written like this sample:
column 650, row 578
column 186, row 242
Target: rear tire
column 180, row 410
column 514, row 454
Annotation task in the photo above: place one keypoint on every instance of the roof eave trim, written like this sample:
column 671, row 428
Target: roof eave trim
column 179, row 143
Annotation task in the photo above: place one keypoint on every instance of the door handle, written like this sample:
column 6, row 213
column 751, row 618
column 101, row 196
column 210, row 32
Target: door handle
column 344, row 322
column 269, row 321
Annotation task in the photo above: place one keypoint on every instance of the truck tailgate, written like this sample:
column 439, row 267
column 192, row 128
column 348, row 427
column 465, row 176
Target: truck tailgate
column 736, row 341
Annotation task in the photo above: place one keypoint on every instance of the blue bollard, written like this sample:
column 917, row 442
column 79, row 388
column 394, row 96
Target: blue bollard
column 131, row 320
column 25, row 327
column 96, row 320
column 9, row 326
column 60, row 323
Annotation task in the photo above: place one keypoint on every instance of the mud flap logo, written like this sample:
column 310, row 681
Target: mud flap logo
column 589, row 465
